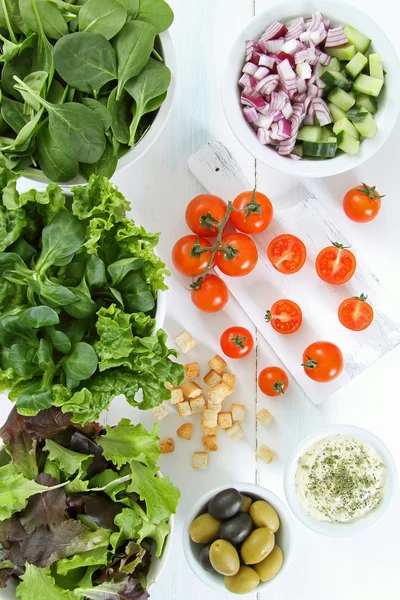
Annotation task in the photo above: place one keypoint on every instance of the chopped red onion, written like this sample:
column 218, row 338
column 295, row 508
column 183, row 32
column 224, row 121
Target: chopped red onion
column 327, row 23
column 247, row 81
column 250, row 113
column 335, row 37
column 308, row 120
column 249, row 68
column 311, row 54
column 281, row 130
column 324, row 59
column 262, row 60
column 312, row 91
column 264, row 121
column 283, row 56
column 251, row 98
column 269, row 84
column 305, row 36
column 276, row 115
column 263, row 136
column 285, row 71
column 273, row 46
column 322, row 111
column 295, row 29
column 287, row 110
column 320, row 92
column 294, row 156
column 299, row 97
column 301, row 57
column 278, row 100
column 303, row 70
column 273, row 32
column 292, row 46
column 301, row 85
column 261, row 73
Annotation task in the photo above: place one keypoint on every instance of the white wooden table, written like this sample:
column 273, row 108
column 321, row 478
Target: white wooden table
column 159, row 186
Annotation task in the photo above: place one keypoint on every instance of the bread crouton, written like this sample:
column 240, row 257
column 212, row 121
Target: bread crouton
column 217, row 364
column 191, row 389
column 185, row 431
column 185, row 342
column 176, row 396
column 167, row 446
column 238, row 412
column 235, row 432
column 192, row 370
column 264, row 417
column 210, row 443
column 200, row 460
column 197, row 405
column 159, row 412
column 210, row 418
column 265, row 454
column 225, row 420
column 184, row 409
column 210, row 430
column 220, row 392
column 212, row 378
column 229, row 379
column 214, row 405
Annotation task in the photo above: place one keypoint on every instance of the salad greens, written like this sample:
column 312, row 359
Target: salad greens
column 67, row 71
column 83, row 523
column 78, row 288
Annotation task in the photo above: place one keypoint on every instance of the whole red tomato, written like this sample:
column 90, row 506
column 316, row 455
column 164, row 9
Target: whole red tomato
column 212, row 295
column 362, row 204
column 273, row 381
column 256, row 212
column 204, row 213
column 239, row 257
column 236, row 342
column 322, row 361
column 186, row 259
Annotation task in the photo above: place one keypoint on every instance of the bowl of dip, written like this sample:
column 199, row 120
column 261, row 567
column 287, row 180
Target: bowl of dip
column 340, row 480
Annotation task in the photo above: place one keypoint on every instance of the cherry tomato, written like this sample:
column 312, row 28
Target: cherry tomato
column 273, row 381
column 336, row 264
column 212, row 296
column 257, row 216
column 182, row 257
column 204, row 213
column 285, row 316
column 236, row 342
column 362, row 204
column 355, row 313
column 322, row 361
column 241, row 257
column 287, row 253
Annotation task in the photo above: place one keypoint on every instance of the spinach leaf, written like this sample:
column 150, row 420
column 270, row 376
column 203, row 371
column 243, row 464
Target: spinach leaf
column 20, row 359
column 56, row 92
column 63, row 237
column 147, row 87
column 44, row 358
column 120, row 114
column 60, row 340
column 133, row 45
column 99, row 110
column 121, row 268
column 136, row 293
column 12, row 332
column 55, row 295
column 102, row 16
column 85, row 60
column 55, row 164
column 157, row 13
column 132, row 7
column 96, row 272
column 24, row 137
column 83, row 307
column 39, row 316
column 104, row 167
column 37, row 83
column 51, row 17
column 81, row 363
column 34, row 398
column 21, row 65
column 13, row 113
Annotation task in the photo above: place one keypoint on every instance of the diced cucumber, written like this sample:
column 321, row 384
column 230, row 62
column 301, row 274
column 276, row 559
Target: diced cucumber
column 332, row 139
column 346, row 126
column 368, row 85
column 375, row 66
column 367, row 127
column 320, row 149
column 345, row 52
column 327, row 133
column 298, row 149
column 358, row 39
column 310, row 133
column 335, row 64
column 367, row 102
column 335, row 79
column 356, row 65
column 336, row 112
column 357, row 113
column 347, row 143
column 341, row 99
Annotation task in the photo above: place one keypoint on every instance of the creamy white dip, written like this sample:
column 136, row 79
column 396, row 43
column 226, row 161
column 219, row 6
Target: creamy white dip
column 340, row 478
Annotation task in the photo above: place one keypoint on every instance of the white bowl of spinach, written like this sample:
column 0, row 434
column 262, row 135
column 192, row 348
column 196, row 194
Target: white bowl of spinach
column 86, row 85
column 84, row 511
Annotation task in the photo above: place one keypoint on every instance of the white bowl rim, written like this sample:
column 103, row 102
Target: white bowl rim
column 308, row 168
column 244, row 487
column 340, row 529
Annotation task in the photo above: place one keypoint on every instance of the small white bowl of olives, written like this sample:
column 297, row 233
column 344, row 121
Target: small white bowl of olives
column 238, row 538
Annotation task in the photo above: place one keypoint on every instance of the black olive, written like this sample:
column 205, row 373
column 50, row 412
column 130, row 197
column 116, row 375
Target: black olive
column 226, row 504
column 236, row 529
column 204, row 558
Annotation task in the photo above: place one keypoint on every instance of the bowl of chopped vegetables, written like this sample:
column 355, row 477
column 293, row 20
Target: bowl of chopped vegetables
column 310, row 87
column 86, row 87
column 93, row 516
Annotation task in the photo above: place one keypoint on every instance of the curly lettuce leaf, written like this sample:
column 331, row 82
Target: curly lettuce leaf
column 98, row 557
column 126, row 588
column 130, row 523
column 158, row 533
column 12, row 224
column 44, row 509
column 39, row 583
column 126, row 442
column 67, row 460
column 99, row 199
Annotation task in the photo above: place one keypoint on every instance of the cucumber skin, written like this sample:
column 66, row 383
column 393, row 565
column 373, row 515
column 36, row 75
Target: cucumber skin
column 319, row 149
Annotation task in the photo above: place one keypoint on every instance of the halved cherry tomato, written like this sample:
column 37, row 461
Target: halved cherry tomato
column 322, row 361
column 355, row 313
column 273, row 381
column 362, row 204
column 257, row 215
column 236, row 342
column 186, row 259
column 204, row 213
column 240, row 256
column 336, row 264
column 285, row 316
column 287, row 253
column 212, row 295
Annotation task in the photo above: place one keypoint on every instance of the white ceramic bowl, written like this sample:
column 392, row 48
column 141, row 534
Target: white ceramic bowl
column 338, row 13
column 160, row 121
column 340, row 529
column 284, row 536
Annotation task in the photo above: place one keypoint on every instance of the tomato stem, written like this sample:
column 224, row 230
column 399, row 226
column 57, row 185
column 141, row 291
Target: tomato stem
column 252, row 208
column 370, row 192
column 237, row 341
column 340, row 246
column 310, row 364
column 208, row 222
column 268, row 316
column 278, row 386
column 362, row 297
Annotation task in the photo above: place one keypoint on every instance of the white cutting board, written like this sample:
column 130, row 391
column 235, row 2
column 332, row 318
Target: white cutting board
column 219, row 173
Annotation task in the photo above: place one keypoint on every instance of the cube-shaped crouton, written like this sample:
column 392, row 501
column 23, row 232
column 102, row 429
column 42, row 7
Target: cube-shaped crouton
column 220, row 392
column 169, row 385
column 238, row 412
column 185, row 431
column 212, row 378
column 214, row 405
column 167, row 446
column 210, row 430
column 197, row 405
column 225, row 420
column 235, row 432
column 217, row 364
column 191, row 389
column 185, row 342
column 210, row 443
column 176, row 396
column 265, row 454
column 159, row 412
column 200, row 460
column 210, row 418
column 192, row 370
column 184, row 409
column 229, row 379
column 264, row 417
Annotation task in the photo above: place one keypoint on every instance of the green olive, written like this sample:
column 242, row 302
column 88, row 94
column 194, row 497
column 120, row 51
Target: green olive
column 204, row 529
column 269, row 567
column 245, row 581
column 257, row 546
column 224, row 557
column 247, row 502
column 264, row 515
